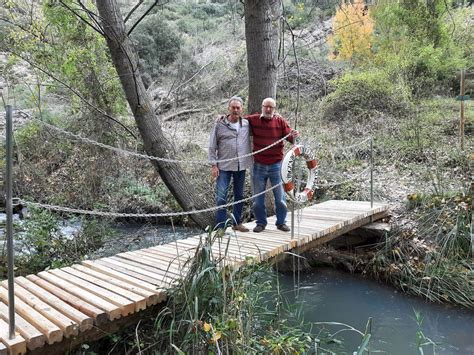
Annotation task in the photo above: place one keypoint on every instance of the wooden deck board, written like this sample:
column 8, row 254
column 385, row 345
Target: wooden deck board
column 68, row 326
column 97, row 314
column 17, row 345
column 34, row 338
column 50, row 330
column 127, row 284
column 112, row 311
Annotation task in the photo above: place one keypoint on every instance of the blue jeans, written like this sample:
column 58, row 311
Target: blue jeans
column 222, row 189
column 261, row 174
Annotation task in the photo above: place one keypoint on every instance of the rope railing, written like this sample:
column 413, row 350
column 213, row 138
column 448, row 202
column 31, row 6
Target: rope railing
column 180, row 213
column 168, row 214
column 150, row 157
column 139, row 215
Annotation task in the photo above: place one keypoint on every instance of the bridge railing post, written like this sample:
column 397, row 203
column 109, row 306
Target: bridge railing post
column 371, row 172
column 9, row 213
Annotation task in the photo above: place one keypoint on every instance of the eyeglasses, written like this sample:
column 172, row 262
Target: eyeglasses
column 268, row 106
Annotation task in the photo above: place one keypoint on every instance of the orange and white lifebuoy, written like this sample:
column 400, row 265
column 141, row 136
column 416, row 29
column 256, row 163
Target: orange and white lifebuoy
column 287, row 173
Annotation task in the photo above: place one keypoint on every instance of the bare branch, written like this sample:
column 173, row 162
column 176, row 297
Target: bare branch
column 133, row 10
column 142, row 17
column 182, row 112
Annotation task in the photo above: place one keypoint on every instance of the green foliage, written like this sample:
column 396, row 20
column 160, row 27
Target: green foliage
column 157, row 43
column 135, row 194
column 414, row 44
column 359, row 96
column 44, row 246
column 300, row 13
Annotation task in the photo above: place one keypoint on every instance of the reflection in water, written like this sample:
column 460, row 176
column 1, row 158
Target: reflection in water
column 333, row 296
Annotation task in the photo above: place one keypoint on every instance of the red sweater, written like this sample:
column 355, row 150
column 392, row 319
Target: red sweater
column 265, row 132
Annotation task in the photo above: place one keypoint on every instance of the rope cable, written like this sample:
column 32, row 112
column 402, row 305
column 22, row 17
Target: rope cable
column 150, row 157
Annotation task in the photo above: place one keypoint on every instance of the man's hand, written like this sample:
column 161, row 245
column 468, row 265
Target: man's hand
column 294, row 133
column 214, row 171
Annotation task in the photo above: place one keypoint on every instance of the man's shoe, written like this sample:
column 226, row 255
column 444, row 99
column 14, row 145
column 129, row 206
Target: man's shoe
column 240, row 228
column 283, row 227
column 258, row 228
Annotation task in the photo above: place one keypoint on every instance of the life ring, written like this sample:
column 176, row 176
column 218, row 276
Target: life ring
column 287, row 173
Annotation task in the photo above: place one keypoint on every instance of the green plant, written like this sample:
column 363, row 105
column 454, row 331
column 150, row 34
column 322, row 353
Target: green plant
column 360, row 96
column 158, row 45
column 421, row 339
column 43, row 244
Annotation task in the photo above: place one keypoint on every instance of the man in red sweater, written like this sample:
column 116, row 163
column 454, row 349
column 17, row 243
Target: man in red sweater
column 267, row 128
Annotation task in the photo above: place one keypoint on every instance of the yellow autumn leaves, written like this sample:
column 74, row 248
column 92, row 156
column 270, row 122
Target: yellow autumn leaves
column 216, row 335
column 352, row 32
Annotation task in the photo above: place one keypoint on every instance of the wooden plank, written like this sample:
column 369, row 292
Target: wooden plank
column 34, row 338
column 160, row 264
column 85, row 322
column 17, row 345
column 50, row 330
column 147, row 265
column 3, row 349
column 150, row 297
column 246, row 249
column 138, row 300
column 271, row 241
column 88, row 309
column 154, row 262
column 157, row 261
column 67, row 325
column 123, row 277
column 154, row 279
column 171, row 250
column 168, row 255
column 158, row 277
column 163, row 255
column 112, row 311
column 125, row 305
column 219, row 249
column 242, row 250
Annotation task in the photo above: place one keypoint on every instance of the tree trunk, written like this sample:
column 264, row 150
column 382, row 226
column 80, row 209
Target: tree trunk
column 262, row 19
column 125, row 60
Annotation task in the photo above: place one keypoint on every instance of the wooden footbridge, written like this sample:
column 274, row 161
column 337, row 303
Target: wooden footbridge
column 59, row 309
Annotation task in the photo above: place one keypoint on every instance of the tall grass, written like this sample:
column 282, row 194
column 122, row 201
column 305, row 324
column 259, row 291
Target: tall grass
column 219, row 308
column 432, row 259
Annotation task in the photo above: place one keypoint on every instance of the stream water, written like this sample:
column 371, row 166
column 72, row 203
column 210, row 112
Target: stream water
column 328, row 295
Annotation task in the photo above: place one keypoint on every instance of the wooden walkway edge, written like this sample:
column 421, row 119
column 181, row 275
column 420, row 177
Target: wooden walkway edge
column 59, row 309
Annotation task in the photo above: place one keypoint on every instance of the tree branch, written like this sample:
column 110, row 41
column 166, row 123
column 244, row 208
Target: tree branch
column 142, row 17
column 182, row 112
column 80, row 17
column 133, row 10
column 74, row 91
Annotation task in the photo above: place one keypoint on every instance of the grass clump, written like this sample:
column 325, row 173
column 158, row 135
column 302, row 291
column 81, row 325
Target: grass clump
column 432, row 259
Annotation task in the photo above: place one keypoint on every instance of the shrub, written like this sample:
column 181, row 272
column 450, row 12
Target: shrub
column 361, row 95
column 157, row 44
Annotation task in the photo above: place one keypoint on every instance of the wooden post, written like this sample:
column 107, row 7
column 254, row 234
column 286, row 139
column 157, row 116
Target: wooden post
column 462, row 118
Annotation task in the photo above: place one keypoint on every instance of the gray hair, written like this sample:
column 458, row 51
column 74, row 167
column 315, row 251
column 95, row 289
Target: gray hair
column 236, row 98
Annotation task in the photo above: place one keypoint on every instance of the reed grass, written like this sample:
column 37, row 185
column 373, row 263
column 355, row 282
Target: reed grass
column 221, row 308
